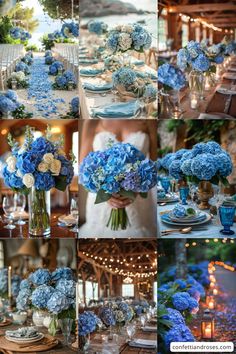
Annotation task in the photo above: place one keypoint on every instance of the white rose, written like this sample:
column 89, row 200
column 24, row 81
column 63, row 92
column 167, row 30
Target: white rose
column 125, row 41
column 11, row 163
column 43, row 167
column 28, row 180
column 48, row 158
column 55, row 167
column 19, row 174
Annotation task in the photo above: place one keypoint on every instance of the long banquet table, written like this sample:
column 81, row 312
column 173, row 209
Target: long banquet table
column 88, row 101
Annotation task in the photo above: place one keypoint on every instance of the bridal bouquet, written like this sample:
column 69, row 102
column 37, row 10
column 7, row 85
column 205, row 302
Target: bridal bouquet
column 121, row 169
column 35, row 168
column 129, row 37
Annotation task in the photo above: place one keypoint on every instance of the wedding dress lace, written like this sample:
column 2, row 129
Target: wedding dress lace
column 141, row 213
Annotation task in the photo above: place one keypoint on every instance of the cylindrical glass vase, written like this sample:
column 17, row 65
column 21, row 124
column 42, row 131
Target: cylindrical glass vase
column 39, row 212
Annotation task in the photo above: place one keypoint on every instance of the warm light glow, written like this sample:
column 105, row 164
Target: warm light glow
column 56, row 130
column 215, row 291
column 4, row 131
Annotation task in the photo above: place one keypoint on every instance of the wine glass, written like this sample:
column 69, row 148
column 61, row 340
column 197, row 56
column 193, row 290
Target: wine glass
column 20, row 202
column 74, row 211
column 131, row 331
column 192, row 192
column 143, row 320
column 8, row 208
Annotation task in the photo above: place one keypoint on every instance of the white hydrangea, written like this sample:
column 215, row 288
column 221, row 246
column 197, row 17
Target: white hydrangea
column 55, row 167
column 28, row 180
column 125, row 41
column 11, row 163
column 20, row 76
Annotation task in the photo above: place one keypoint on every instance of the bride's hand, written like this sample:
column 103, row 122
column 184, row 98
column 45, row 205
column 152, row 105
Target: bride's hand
column 118, row 202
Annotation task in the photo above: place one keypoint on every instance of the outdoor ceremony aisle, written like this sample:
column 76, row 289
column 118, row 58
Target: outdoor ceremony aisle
column 40, row 98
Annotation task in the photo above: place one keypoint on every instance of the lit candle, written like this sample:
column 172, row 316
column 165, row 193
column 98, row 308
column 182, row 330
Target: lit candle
column 211, row 305
column 194, row 102
column 9, row 281
column 215, row 291
column 77, row 301
column 207, row 332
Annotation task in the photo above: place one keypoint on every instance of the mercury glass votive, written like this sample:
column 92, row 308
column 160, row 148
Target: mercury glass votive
column 227, row 214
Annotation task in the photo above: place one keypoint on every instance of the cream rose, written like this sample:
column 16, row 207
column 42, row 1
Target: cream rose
column 43, row 167
column 55, row 167
column 11, row 163
column 28, row 180
column 125, row 41
column 48, row 158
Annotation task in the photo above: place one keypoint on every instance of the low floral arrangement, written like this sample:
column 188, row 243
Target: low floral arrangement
column 74, row 104
column 49, row 60
column 15, row 283
column 51, row 292
column 70, row 30
column 21, row 66
column 88, row 322
column 204, row 162
column 38, row 166
column 128, row 37
column 53, row 69
column 20, row 79
column 63, row 82
column 194, row 57
column 129, row 83
column 98, row 27
column 19, row 33
column 171, row 77
column 48, row 53
column 120, row 169
column 9, row 102
column 27, row 59
column 112, row 62
column 55, row 35
column 116, row 314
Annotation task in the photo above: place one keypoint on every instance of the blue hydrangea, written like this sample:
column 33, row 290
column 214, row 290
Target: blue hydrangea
column 53, row 69
column 12, row 95
column 183, row 58
column 67, row 287
column 175, row 169
column 186, row 167
column 11, row 179
column 112, row 41
column 107, row 316
column 181, row 283
column 141, row 38
column 124, row 76
column 3, row 280
column 201, row 63
column 22, row 67
column 180, row 333
column 87, row 323
column 49, row 60
column 43, row 146
column 28, row 161
column 62, row 273
column 180, row 301
column 7, row 105
column 174, row 316
column 193, row 304
column 58, row 302
column 70, row 29
column 44, row 181
column 219, row 59
column 98, row 27
column 40, row 277
column 23, row 300
column 204, row 166
column 75, row 104
column 171, row 77
column 150, row 92
column 41, row 295
column 225, row 164
column 25, row 284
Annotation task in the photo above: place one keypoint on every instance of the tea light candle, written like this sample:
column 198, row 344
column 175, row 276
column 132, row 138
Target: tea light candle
column 207, row 332
column 211, row 305
column 194, row 102
column 215, row 291
column 9, row 281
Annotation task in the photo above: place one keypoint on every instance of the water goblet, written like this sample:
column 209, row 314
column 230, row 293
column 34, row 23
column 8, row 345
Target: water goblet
column 165, row 183
column 74, row 210
column 184, row 192
column 66, row 327
column 8, row 208
column 20, row 202
column 227, row 214
column 130, row 329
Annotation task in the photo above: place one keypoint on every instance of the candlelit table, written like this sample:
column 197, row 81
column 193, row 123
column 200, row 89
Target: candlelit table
column 206, row 230
column 119, row 343
column 22, row 231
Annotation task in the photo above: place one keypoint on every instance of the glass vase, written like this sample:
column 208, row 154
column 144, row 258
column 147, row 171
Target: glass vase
column 169, row 105
column 39, row 212
column 84, row 342
column 197, row 82
column 184, row 193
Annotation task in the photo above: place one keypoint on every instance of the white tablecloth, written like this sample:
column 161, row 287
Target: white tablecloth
column 212, row 230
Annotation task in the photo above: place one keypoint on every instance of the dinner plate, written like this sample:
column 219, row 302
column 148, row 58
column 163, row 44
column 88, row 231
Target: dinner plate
column 67, row 219
column 225, row 91
column 98, row 92
column 168, row 200
column 165, row 218
column 187, row 219
column 25, row 340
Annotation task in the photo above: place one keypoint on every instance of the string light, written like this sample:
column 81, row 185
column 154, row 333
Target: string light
column 187, row 18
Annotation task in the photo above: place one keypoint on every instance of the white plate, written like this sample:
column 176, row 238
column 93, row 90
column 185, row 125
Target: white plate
column 131, row 117
column 208, row 218
column 67, row 219
column 25, row 340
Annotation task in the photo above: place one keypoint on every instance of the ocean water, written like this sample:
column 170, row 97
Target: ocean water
column 111, row 21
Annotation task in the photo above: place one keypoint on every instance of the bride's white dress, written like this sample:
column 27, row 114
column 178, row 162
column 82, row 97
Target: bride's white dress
column 141, row 213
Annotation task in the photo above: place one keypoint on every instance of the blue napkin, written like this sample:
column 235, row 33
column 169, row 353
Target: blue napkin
column 91, row 72
column 138, row 62
column 101, row 87
column 88, row 61
column 118, row 110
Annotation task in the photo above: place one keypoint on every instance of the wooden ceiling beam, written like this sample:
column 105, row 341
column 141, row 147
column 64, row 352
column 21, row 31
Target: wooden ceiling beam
column 186, row 9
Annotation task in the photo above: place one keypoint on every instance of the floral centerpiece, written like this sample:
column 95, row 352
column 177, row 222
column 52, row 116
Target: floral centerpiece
column 49, row 60
column 112, row 62
column 128, row 37
column 21, row 66
column 66, row 81
column 172, row 80
column 35, row 168
column 116, row 314
column 98, row 27
column 55, row 67
column 88, row 323
column 15, row 283
column 50, row 293
column 70, row 30
column 121, row 169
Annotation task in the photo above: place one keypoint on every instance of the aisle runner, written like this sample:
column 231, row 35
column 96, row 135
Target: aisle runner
column 40, row 89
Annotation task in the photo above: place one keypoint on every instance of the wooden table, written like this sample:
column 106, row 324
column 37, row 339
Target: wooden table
column 60, row 348
column 22, row 231
column 120, row 344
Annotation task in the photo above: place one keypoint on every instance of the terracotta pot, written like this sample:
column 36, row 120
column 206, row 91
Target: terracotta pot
column 205, row 192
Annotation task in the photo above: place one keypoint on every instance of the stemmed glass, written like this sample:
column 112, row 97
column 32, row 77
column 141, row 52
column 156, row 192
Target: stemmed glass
column 74, row 210
column 8, row 208
column 20, row 202
column 217, row 200
column 192, row 191
column 131, row 329
column 143, row 320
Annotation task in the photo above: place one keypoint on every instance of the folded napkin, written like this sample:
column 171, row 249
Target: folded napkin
column 138, row 62
column 99, row 87
column 25, row 332
column 120, row 110
column 88, row 61
column 92, row 72
column 143, row 343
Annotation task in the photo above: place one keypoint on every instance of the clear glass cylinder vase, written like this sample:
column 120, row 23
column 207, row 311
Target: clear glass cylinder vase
column 169, row 105
column 197, row 82
column 39, row 212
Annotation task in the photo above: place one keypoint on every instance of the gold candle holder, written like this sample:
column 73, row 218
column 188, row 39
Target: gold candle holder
column 75, row 345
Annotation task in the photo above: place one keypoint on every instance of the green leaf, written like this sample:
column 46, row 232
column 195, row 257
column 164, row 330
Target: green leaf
column 60, row 183
column 102, row 197
column 127, row 194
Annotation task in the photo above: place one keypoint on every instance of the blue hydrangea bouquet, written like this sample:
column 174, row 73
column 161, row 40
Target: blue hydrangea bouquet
column 52, row 293
column 97, row 27
column 122, row 169
column 34, row 168
column 116, row 314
